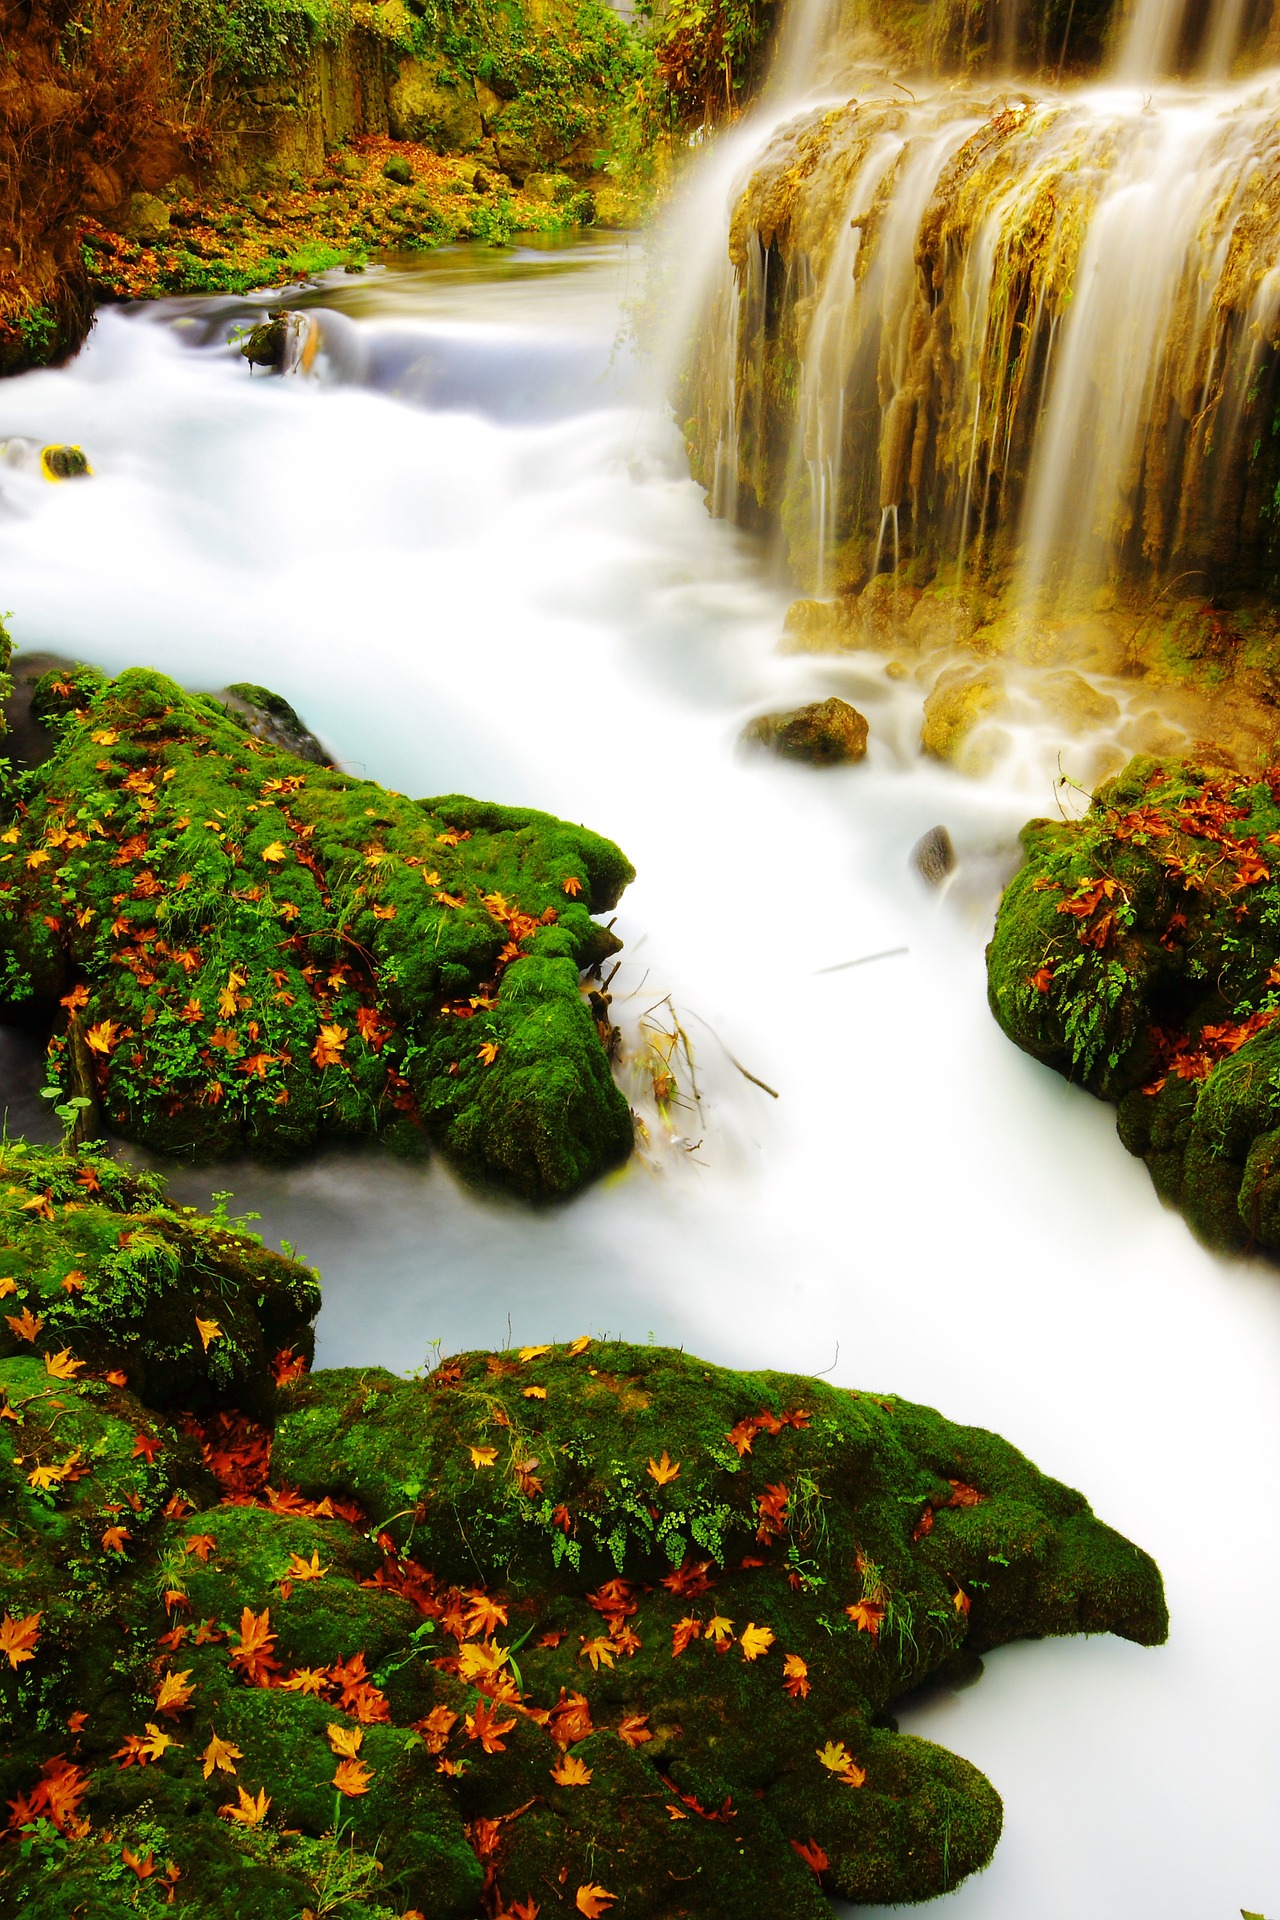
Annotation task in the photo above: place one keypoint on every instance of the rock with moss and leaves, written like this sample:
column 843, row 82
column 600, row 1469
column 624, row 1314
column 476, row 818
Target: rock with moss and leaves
column 1138, row 951
column 574, row 1624
column 248, row 951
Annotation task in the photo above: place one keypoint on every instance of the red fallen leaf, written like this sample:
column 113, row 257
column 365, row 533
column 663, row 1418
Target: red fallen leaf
column 570, row 1719
column 682, row 1633
column 145, row 1447
column 1041, row 980
column 689, row 1580
column 143, row 1868
column 812, row 1855
column 963, row 1495
column 795, row 1676
column 634, row 1730
column 552, row 1639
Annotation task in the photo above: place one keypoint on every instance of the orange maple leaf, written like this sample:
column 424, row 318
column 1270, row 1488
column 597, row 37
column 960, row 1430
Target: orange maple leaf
column 174, row 1695
column 866, row 1616
column 346, row 1742
column 598, row 1651
column 72, row 1282
column 682, row 1633
column 571, row 1772
column 255, row 1656
column 61, row 1365
column 812, row 1855
column 592, row 1901
column 209, row 1331
column 663, row 1471
column 103, row 1037
column 249, row 1811
column 634, row 1730
column 484, row 1725
column 572, row 886
column 145, row 1447
column 18, row 1637
column 488, row 1053
column 327, row 1051
column 300, row 1569
column 483, row 1456
column 352, row 1778
column 113, row 1539
column 795, row 1676
column 26, row 1325
column 143, row 1868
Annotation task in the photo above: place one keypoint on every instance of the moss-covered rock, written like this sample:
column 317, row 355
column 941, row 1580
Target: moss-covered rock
column 183, row 1308
column 1138, row 951
column 247, row 951
column 593, row 1615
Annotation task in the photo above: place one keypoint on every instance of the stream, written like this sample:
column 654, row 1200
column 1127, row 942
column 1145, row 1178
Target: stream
column 468, row 549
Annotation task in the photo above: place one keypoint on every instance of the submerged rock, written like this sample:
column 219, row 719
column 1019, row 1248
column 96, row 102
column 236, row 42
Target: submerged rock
column 1138, row 952
column 255, row 953
column 582, row 1616
column 824, row 734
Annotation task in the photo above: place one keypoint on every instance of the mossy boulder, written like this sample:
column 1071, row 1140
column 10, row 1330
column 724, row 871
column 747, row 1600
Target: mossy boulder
column 246, row 951
column 827, row 733
column 184, row 1308
column 1138, row 951
column 589, row 1615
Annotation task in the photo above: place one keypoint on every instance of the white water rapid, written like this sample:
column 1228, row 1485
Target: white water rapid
column 469, row 552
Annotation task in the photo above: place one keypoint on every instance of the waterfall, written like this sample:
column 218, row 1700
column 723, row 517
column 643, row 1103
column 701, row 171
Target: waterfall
column 1029, row 329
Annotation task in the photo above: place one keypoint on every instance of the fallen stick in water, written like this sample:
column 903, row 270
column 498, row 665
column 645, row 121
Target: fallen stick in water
column 862, row 960
column 762, row 1084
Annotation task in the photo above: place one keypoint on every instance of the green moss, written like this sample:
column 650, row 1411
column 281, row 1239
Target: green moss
column 593, row 1614
column 96, row 1255
column 255, row 953
column 1137, row 951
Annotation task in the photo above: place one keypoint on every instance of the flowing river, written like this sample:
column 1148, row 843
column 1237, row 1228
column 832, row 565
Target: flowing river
column 468, row 549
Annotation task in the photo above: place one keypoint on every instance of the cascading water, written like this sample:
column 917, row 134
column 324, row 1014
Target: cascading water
column 1039, row 324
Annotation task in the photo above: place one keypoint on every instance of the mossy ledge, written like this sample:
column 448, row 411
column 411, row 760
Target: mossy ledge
column 246, row 952
column 585, row 1616
column 1138, row 951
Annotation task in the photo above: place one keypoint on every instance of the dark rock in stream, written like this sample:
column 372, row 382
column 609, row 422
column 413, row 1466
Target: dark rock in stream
column 270, row 717
column 27, row 740
column 826, row 734
column 504, row 1618
column 933, row 856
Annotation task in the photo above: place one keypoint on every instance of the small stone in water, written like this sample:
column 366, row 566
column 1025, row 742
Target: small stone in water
column 933, row 856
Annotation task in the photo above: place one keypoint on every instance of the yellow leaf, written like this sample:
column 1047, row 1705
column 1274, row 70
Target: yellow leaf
column 300, row 1569
column 250, row 1811
column 103, row 1037
column 8, row 1285
column 663, row 1471
column 327, row 1051
column 755, row 1641
column 580, row 1345
column 220, row 1754
column 534, row 1393
column 61, row 1365
column 571, row 1772
column 533, row 1353
column 718, row 1628
column 275, row 853
column 592, row 1901
column 834, row 1756
column 174, row 1695
column 483, row 1456
column 209, row 1331
column 26, row 1324
column 104, row 737
column 488, row 1052
column 346, row 1742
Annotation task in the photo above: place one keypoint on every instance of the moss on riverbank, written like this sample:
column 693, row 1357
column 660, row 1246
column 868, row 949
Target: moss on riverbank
column 578, row 1616
column 247, row 951
column 1138, row 951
